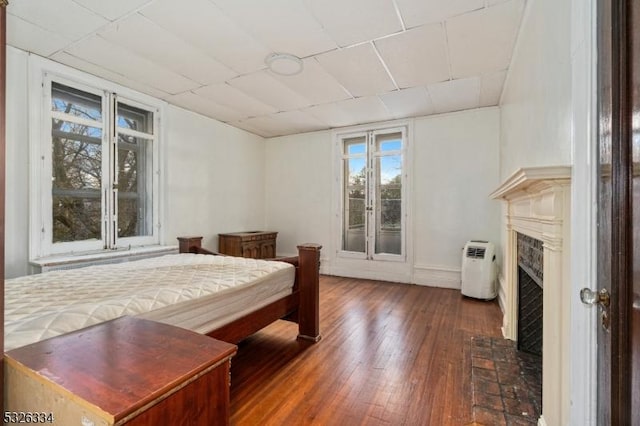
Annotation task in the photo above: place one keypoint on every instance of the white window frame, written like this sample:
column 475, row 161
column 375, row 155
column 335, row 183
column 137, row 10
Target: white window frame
column 41, row 73
column 370, row 134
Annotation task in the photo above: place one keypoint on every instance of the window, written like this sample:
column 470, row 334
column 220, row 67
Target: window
column 98, row 171
column 372, row 194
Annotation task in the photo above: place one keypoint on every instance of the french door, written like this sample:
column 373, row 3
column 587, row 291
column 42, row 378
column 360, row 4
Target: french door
column 373, row 194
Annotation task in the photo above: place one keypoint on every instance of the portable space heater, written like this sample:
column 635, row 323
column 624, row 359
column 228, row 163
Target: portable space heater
column 479, row 270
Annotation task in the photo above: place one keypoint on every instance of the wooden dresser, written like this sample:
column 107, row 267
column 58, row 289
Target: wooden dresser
column 254, row 244
column 128, row 371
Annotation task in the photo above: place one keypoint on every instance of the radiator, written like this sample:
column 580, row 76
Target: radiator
column 83, row 261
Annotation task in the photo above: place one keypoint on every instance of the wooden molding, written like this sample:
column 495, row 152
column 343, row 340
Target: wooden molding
column 4, row 3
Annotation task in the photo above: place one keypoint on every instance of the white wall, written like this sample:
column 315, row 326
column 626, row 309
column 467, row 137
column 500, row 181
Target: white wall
column 213, row 181
column 215, row 178
column 455, row 168
column 17, row 166
column 536, row 101
column 297, row 187
column 536, row 130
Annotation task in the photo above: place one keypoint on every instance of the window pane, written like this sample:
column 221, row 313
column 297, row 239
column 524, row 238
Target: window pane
column 389, row 142
column 76, row 181
column 355, row 146
column 135, row 118
column 135, row 186
column 389, row 205
column 354, row 205
column 75, row 102
column 77, row 218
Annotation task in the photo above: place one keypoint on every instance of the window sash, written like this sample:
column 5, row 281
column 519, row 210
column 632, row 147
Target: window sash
column 116, row 140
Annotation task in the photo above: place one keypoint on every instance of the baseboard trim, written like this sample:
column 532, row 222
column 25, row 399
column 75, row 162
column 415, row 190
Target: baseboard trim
column 434, row 276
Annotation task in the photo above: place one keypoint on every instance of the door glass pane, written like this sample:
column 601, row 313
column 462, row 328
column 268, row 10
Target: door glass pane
column 76, row 182
column 355, row 195
column 135, row 173
column 389, row 205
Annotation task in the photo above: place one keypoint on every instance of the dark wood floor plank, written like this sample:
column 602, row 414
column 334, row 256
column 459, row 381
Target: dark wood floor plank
column 390, row 354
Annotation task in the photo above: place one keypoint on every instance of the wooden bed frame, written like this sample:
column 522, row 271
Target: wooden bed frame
column 301, row 306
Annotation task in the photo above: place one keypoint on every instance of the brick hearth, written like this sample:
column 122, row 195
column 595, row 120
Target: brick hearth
column 507, row 383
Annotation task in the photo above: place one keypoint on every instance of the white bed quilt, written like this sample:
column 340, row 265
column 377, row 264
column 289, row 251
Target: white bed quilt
column 46, row 305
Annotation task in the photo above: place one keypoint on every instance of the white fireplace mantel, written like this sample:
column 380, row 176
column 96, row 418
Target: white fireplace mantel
column 526, row 178
column 538, row 204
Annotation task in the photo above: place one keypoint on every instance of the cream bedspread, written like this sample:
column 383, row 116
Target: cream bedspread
column 180, row 288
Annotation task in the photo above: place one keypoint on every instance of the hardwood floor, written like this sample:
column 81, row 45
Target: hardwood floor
column 390, row 354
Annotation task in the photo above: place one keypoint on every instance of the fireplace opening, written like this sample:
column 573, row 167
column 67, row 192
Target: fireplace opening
column 530, row 292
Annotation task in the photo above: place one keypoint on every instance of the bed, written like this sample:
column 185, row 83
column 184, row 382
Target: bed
column 224, row 297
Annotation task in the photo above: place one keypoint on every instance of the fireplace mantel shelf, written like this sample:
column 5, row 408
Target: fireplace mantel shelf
column 526, row 177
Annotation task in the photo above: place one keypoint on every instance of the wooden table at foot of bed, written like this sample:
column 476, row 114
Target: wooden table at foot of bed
column 128, row 371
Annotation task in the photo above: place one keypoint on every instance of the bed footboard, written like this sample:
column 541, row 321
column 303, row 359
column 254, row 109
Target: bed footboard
column 302, row 306
column 309, row 289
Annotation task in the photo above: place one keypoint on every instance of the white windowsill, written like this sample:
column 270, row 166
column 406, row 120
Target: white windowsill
column 103, row 255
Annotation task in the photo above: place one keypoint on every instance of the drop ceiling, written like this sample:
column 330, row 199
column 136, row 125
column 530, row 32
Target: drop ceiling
column 363, row 60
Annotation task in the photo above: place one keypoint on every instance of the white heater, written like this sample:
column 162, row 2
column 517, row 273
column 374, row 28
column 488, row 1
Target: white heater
column 479, row 270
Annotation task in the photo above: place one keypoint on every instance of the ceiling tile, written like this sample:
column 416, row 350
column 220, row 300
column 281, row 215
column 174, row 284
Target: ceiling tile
column 455, row 95
column 416, row 57
column 267, row 126
column 249, row 127
column 413, row 102
column 358, row 69
column 202, row 24
column 331, row 114
column 282, row 123
column 80, row 64
column 365, row 110
column 267, row 89
column 351, row 111
column 147, row 39
column 283, row 25
column 27, row 36
column 63, row 17
column 418, row 12
column 98, row 51
column 205, row 106
column 224, row 94
column 482, row 41
column 355, row 21
column 314, row 83
column 491, row 88
column 301, row 121
column 113, row 9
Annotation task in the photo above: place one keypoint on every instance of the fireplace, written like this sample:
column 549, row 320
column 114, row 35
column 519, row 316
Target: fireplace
column 530, row 292
column 537, row 214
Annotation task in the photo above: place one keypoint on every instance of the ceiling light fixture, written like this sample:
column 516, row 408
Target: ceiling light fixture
column 284, row 63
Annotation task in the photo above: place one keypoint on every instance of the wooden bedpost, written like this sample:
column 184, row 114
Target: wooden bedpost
column 309, row 287
column 3, row 77
column 189, row 244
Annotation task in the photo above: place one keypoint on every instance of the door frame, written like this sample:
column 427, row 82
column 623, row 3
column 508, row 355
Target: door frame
column 615, row 70
column 398, row 269
column 583, row 344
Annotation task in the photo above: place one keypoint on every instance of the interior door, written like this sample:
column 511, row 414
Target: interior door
column 619, row 213
column 633, row 123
